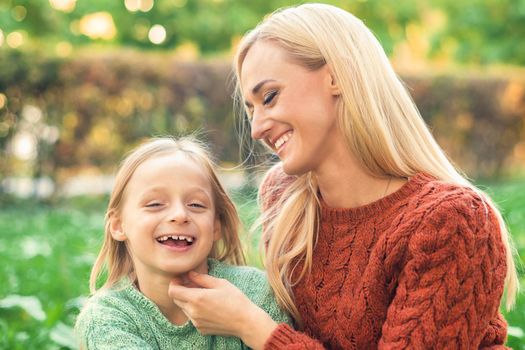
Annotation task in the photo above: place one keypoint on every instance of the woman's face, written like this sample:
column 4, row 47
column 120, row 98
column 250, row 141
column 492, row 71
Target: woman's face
column 292, row 109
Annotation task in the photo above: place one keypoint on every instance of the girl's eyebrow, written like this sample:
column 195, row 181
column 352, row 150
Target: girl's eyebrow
column 256, row 89
column 189, row 190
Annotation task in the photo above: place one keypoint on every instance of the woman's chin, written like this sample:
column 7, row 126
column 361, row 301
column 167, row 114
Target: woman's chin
column 292, row 168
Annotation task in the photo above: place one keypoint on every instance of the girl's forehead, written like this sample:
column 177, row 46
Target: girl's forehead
column 175, row 169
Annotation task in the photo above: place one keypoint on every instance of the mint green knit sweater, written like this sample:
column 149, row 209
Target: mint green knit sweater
column 123, row 318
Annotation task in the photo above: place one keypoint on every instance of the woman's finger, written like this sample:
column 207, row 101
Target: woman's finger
column 180, row 293
column 204, row 280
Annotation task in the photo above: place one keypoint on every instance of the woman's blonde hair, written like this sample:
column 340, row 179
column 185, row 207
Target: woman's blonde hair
column 380, row 122
column 114, row 258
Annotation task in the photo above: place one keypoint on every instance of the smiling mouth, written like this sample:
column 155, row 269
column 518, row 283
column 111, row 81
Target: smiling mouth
column 282, row 140
column 176, row 240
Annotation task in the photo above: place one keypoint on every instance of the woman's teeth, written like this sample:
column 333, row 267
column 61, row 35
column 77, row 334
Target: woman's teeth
column 282, row 140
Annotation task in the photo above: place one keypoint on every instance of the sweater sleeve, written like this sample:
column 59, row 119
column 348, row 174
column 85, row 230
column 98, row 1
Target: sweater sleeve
column 99, row 327
column 450, row 288
column 285, row 337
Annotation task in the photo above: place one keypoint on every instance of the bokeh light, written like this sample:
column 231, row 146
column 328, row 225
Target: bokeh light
column 139, row 5
column 63, row 5
column 15, row 39
column 63, row 49
column 1, row 37
column 19, row 13
column 141, row 29
column 32, row 114
column 157, row 34
column 187, row 51
column 3, row 100
column 98, row 25
column 24, row 146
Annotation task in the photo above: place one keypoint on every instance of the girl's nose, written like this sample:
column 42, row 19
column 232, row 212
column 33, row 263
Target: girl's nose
column 178, row 214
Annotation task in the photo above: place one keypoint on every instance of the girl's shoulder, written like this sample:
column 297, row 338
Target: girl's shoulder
column 250, row 280
column 240, row 276
column 253, row 283
column 109, row 302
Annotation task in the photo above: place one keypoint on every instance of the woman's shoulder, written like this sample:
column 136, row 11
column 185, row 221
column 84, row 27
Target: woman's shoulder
column 444, row 197
column 273, row 184
column 442, row 208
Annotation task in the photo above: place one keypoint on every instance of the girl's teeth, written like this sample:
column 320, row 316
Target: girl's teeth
column 180, row 238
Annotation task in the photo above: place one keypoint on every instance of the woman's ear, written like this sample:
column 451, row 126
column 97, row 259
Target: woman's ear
column 332, row 81
column 116, row 229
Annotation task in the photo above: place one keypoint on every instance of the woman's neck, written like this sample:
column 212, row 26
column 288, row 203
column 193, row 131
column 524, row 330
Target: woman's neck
column 343, row 183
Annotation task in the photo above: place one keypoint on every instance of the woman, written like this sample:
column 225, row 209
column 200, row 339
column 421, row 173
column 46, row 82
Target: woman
column 373, row 238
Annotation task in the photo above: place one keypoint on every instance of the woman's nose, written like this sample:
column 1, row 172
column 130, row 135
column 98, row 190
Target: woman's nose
column 260, row 126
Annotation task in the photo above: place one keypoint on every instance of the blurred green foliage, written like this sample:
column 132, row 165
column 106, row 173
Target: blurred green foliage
column 475, row 31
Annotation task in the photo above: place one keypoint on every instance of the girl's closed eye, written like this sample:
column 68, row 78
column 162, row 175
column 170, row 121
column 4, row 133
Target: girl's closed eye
column 269, row 97
column 197, row 205
column 153, row 205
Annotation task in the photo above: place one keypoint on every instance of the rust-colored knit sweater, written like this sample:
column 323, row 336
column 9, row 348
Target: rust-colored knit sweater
column 422, row 268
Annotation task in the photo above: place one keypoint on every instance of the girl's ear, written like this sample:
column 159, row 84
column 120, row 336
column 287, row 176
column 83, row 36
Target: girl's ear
column 115, row 227
column 217, row 234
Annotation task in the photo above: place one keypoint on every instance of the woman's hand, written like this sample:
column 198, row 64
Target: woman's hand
column 220, row 308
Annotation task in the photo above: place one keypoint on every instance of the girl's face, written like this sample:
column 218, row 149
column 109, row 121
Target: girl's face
column 292, row 109
column 168, row 217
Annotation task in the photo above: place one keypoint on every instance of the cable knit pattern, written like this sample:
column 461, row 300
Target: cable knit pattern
column 422, row 268
column 123, row 318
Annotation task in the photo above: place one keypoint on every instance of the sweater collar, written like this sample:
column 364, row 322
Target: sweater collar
column 133, row 293
column 376, row 208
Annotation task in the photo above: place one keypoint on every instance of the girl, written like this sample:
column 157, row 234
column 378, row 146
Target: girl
column 373, row 238
column 168, row 214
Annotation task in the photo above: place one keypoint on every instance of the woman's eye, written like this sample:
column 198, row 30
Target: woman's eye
column 269, row 97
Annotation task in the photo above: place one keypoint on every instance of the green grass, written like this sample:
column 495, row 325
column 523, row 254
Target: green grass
column 46, row 255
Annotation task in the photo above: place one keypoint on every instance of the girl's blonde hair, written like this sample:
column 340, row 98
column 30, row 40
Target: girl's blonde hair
column 380, row 122
column 114, row 258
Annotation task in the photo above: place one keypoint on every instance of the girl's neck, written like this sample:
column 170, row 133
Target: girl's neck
column 155, row 287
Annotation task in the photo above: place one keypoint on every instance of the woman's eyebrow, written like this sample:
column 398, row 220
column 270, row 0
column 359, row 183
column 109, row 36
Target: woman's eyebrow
column 260, row 84
column 256, row 89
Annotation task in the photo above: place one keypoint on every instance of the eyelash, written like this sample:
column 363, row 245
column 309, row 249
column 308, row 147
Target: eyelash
column 193, row 205
column 197, row 205
column 153, row 205
column 269, row 97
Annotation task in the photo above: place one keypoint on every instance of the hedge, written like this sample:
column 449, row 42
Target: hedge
column 86, row 111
